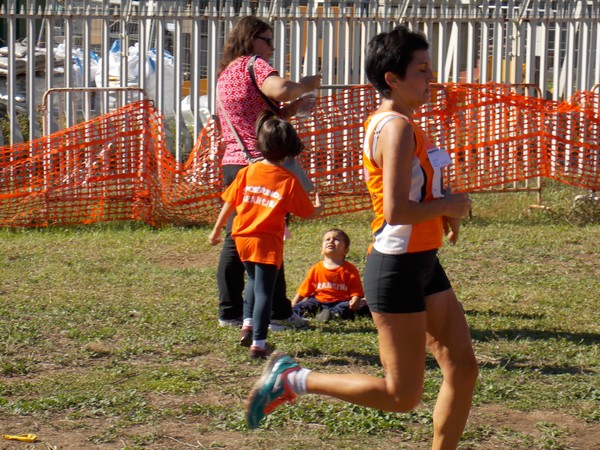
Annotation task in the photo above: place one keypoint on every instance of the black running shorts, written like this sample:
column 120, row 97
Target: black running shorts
column 400, row 283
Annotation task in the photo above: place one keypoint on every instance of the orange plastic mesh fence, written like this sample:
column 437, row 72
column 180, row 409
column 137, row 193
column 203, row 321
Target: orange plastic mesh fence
column 117, row 167
column 497, row 136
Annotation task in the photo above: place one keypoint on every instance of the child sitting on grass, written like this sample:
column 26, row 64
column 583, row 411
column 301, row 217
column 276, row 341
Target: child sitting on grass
column 262, row 194
column 333, row 287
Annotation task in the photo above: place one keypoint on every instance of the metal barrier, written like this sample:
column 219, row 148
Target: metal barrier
column 483, row 137
column 117, row 166
column 47, row 111
column 528, row 185
column 538, row 42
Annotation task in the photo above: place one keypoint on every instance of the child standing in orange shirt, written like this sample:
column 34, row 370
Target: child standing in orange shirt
column 262, row 194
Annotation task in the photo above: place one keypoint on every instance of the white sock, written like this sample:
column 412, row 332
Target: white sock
column 297, row 380
column 247, row 323
column 262, row 343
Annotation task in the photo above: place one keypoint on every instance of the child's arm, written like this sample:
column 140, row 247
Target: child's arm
column 215, row 235
column 355, row 303
column 318, row 207
column 297, row 299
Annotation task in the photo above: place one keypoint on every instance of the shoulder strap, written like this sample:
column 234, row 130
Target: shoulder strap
column 269, row 102
column 379, row 124
column 235, row 133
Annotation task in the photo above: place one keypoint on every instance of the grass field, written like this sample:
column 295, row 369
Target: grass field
column 109, row 338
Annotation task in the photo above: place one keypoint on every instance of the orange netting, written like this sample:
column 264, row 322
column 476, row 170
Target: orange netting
column 118, row 167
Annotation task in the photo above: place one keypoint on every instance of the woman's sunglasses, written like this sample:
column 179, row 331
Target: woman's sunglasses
column 269, row 41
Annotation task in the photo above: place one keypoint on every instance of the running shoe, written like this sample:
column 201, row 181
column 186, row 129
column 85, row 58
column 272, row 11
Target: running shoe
column 271, row 390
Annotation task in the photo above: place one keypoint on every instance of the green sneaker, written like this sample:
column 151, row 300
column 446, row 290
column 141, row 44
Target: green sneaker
column 271, row 390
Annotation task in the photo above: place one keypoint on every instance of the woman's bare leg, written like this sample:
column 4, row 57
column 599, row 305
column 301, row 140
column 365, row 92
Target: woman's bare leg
column 449, row 339
column 402, row 354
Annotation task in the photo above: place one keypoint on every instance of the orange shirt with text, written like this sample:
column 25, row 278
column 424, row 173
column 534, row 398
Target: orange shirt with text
column 330, row 286
column 262, row 195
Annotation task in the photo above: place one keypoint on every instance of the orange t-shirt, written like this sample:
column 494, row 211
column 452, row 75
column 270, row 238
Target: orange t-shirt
column 330, row 286
column 262, row 195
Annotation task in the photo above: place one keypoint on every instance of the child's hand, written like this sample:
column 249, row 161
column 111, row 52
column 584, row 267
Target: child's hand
column 318, row 204
column 318, row 207
column 214, row 237
column 356, row 303
column 297, row 299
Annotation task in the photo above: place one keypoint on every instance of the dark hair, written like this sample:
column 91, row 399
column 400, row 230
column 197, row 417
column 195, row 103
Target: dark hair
column 392, row 52
column 239, row 40
column 342, row 234
column 276, row 138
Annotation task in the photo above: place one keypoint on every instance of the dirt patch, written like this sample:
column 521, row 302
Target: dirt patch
column 197, row 430
column 192, row 432
column 577, row 434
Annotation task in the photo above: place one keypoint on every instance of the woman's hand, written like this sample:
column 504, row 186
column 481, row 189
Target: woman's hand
column 311, row 82
column 451, row 229
column 283, row 90
column 457, row 205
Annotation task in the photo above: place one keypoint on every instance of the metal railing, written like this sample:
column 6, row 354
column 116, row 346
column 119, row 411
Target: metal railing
column 171, row 49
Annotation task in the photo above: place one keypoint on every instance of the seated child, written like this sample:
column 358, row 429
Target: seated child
column 333, row 286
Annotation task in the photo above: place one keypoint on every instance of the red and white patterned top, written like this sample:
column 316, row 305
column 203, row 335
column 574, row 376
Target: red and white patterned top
column 243, row 104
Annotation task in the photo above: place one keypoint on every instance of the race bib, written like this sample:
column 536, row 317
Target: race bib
column 438, row 157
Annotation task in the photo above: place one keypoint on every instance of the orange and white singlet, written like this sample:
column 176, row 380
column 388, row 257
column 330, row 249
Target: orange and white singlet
column 426, row 185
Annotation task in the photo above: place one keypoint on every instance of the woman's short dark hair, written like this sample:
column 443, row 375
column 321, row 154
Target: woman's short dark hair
column 276, row 138
column 392, row 52
column 239, row 40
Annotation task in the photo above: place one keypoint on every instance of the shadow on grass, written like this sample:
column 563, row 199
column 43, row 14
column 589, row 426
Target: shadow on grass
column 478, row 335
column 334, row 328
column 519, row 316
column 342, row 359
column 523, row 334
column 532, row 335
column 491, row 335
column 512, row 365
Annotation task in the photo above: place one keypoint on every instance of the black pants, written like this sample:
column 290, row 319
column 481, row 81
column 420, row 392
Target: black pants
column 230, row 273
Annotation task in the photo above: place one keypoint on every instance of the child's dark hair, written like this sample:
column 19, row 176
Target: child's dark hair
column 276, row 138
column 391, row 52
column 342, row 234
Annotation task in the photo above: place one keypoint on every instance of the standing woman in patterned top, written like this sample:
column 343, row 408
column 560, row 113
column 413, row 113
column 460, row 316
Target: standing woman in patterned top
column 410, row 297
column 240, row 100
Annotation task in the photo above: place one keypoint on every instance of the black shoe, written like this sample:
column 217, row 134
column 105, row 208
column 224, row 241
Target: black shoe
column 257, row 352
column 246, row 336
